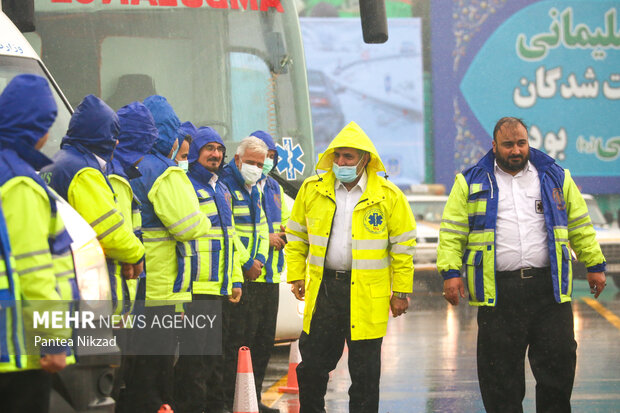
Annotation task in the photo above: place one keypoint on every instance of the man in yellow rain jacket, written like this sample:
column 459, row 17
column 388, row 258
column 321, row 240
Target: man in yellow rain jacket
column 351, row 240
column 36, row 233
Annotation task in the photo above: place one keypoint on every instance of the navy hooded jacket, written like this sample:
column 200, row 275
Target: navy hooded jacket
column 92, row 130
column 78, row 177
column 166, row 121
column 135, row 140
column 27, row 111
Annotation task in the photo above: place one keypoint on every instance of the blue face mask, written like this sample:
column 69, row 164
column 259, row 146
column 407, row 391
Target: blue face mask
column 267, row 166
column 174, row 154
column 346, row 174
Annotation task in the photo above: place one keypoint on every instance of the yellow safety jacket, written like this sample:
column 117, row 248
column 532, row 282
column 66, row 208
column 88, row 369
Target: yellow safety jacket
column 12, row 346
column 252, row 235
column 31, row 225
column 467, row 232
column 123, row 291
column 211, row 257
column 170, row 214
column 383, row 231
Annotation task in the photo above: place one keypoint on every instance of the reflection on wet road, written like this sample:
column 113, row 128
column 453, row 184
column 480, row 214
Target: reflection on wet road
column 429, row 359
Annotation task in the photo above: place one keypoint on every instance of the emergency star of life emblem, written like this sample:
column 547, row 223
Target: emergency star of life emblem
column 374, row 221
column 290, row 159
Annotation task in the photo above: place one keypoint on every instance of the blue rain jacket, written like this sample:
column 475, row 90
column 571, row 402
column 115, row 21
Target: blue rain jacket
column 28, row 112
column 136, row 137
column 93, row 125
column 166, row 121
column 186, row 128
column 78, row 177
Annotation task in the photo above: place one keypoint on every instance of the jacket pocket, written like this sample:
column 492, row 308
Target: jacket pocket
column 474, row 264
column 209, row 260
column 186, row 262
column 380, row 298
column 477, row 205
column 566, row 269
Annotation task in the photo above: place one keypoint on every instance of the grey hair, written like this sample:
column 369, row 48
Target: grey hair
column 254, row 144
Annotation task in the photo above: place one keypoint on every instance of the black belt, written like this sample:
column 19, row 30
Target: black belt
column 529, row 272
column 337, row 274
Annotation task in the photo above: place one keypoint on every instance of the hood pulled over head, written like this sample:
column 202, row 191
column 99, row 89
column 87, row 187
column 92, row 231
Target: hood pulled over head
column 166, row 121
column 351, row 136
column 137, row 135
column 27, row 111
column 95, row 126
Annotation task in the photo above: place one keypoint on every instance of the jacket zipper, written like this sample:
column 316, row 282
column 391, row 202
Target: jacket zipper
column 490, row 182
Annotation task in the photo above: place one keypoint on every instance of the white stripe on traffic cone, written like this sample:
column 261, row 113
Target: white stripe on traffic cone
column 245, row 389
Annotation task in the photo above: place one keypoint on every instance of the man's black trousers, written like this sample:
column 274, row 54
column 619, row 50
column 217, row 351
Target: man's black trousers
column 322, row 348
column 198, row 374
column 526, row 318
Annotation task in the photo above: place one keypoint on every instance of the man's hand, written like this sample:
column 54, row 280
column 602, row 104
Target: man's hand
column 127, row 271
column 298, row 288
column 254, row 272
column 398, row 305
column 137, row 269
column 236, row 295
column 53, row 363
column 452, row 288
column 276, row 241
column 597, row 283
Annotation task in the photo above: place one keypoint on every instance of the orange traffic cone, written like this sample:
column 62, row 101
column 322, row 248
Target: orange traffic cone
column 165, row 408
column 245, row 389
column 294, row 358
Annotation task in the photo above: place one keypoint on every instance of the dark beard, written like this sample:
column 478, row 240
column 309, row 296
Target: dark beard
column 505, row 163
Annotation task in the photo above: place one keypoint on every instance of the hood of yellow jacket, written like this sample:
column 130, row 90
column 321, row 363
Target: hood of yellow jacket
column 351, row 136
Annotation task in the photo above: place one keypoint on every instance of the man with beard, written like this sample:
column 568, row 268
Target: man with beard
column 511, row 220
column 215, row 278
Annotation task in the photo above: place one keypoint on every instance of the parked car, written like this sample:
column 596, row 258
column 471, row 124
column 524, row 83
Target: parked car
column 427, row 211
column 608, row 236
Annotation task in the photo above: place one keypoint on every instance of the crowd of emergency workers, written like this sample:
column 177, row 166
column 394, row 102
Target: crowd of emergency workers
column 182, row 228
column 164, row 202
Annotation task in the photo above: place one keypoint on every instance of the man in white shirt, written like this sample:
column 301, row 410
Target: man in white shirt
column 351, row 239
column 509, row 221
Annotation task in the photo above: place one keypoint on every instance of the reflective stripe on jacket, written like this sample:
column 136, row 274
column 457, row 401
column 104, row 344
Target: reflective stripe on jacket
column 277, row 213
column 214, row 270
column 77, row 177
column 121, row 296
column 170, row 213
column 37, row 235
column 12, row 345
column 383, row 240
column 467, row 232
column 252, row 235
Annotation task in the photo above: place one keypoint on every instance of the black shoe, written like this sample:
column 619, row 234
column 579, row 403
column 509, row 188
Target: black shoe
column 266, row 409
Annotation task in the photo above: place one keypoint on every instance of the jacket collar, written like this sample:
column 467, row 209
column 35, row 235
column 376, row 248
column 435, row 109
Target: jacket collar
column 200, row 173
column 541, row 161
column 327, row 181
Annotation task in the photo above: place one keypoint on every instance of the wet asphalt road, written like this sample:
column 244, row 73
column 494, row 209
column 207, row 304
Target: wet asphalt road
column 429, row 359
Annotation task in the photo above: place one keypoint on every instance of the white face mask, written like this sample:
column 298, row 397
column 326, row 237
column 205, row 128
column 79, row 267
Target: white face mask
column 184, row 165
column 250, row 173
